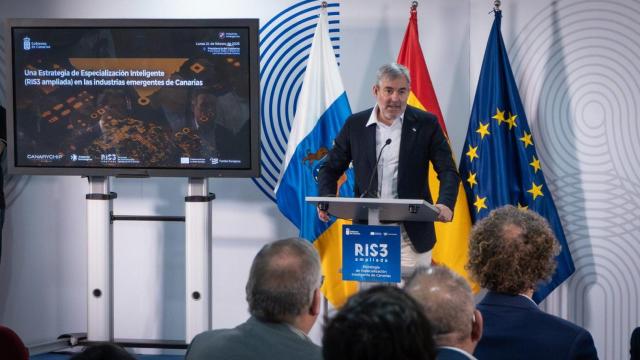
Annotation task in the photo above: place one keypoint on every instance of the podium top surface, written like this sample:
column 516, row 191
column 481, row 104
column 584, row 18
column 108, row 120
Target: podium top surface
column 387, row 209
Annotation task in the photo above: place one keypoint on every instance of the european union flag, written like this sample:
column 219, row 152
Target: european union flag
column 500, row 165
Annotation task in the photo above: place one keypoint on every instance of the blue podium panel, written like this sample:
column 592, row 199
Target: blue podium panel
column 371, row 253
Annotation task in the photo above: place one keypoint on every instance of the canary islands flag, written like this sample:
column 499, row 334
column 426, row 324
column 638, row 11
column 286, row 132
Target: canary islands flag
column 500, row 165
column 320, row 113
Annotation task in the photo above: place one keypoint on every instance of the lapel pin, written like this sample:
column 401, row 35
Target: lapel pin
column 413, row 129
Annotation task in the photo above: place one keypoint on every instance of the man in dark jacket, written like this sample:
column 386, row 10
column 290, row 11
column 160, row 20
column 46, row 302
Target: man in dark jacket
column 510, row 252
column 283, row 292
column 391, row 146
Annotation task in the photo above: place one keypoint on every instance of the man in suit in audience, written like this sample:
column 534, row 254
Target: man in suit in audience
column 380, row 323
column 283, row 292
column 634, row 349
column 510, row 252
column 104, row 351
column 447, row 301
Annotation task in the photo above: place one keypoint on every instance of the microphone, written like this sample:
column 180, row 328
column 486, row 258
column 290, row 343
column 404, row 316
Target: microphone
column 375, row 171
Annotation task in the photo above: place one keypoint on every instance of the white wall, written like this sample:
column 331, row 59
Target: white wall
column 578, row 79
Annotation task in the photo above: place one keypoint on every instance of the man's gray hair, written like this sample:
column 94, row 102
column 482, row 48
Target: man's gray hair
column 282, row 280
column 447, row 301
column 392, row 71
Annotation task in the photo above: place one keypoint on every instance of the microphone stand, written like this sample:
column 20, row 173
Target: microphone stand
column 375, row 171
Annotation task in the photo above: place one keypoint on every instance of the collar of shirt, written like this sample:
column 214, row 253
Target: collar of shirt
column 458, row 350
column 373, row 118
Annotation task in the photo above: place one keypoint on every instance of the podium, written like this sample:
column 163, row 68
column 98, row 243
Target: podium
column 377, row 211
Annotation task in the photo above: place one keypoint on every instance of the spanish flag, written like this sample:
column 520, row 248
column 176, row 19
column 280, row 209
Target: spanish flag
column 451, row 249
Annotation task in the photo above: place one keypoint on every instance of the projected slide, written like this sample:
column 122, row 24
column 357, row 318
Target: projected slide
column 132, row 97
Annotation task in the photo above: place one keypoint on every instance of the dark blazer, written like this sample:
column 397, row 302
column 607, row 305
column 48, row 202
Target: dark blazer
column 448, row 354
column 514, row 328
column 635, row 344
column 422, row 140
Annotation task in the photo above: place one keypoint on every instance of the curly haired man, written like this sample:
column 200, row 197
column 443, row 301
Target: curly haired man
column 510, row 252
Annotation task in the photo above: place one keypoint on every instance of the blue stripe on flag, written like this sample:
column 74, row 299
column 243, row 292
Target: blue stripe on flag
column 298, row 180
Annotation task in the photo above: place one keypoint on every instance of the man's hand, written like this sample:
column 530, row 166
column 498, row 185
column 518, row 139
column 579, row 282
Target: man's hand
column 323, row 215
column 445, row 214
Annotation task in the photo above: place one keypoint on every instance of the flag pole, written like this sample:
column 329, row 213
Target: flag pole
column 496, row 5
column 324, row 4
column 414, row 6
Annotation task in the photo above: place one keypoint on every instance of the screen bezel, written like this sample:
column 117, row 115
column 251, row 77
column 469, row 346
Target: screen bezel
column 252, row 25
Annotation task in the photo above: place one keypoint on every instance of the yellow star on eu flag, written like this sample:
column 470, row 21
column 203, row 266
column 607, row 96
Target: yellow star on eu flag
column 483, row 130
column 499, row 116
column 480, row 203
column 511, row 121
column 472, row 179
column 526, row 139
column 536, row 190
column 535, row 164
column 472, row 153
column 522, row 207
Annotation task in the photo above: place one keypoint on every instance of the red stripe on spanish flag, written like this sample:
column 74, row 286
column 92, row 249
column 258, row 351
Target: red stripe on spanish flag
column 452, row 247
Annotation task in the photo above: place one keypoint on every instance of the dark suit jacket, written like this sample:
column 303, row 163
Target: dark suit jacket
column 422, row 140
column 448, row 354
column 635, row 344
column 251, row 340
column 514, row 328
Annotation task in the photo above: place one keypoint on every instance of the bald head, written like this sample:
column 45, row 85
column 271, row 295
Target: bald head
column 447, row 301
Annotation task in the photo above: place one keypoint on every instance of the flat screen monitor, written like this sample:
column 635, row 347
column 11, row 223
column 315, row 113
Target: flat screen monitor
column 134, row 97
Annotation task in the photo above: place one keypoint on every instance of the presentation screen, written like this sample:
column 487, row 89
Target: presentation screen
column 134, row 97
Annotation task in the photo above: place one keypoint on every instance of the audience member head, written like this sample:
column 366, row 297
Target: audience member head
column 447, row 301
column 383, row 322
column 284, row 283
column 512, row 250
column 11, row 346
column 105, row 351
column 635, row 344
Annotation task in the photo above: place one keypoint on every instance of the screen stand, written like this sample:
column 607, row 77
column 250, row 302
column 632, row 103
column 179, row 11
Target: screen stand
column 198, row 239
column 198, row 257
column 100, row 260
